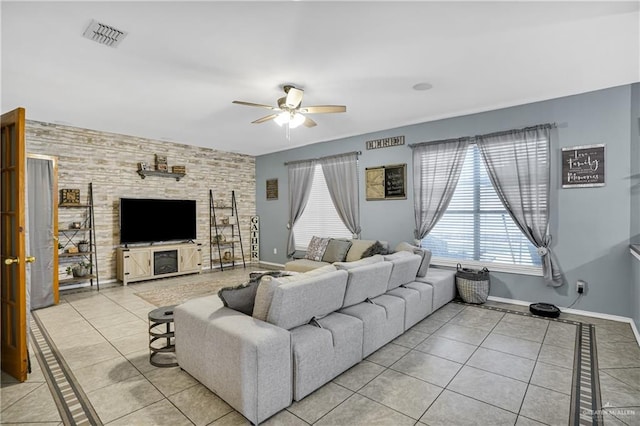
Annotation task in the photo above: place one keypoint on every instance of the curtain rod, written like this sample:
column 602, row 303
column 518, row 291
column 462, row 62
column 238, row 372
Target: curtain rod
column 322, row 158
column 472, row 138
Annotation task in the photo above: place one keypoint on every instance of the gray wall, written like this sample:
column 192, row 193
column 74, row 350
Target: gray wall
column 590, row 226
column 635, row 198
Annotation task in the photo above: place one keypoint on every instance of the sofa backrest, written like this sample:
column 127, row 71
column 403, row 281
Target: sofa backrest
column 296, row 302
column 366, row 281
column 405, row 268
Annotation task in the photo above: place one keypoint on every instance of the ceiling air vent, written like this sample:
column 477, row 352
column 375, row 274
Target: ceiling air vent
column 104, row 34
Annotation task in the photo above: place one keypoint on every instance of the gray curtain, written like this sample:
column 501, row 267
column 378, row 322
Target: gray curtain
column 341, row 174
column 517, row 162
column 40, row 231
column 436, row 170
column 300, row 180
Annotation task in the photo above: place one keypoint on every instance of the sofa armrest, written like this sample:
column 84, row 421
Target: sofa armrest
column 245, row 361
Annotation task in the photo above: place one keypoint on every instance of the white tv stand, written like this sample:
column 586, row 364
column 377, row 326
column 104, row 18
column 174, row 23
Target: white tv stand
column 157, row 261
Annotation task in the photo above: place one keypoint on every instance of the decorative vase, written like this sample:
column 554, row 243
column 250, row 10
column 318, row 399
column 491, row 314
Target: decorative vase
column 83, row 247
column 79, row 271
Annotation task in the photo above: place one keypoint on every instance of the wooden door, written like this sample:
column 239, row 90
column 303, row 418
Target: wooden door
column 13, row 304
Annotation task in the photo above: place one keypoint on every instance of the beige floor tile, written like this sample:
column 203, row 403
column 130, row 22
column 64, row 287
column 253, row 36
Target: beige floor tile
column 124, row 329
column 113, row 320
column 78, row 357
column 36, row 406
column 232, row 419
column 552, row 377
column 507, row 365
column 200, row 405
column 14, row 391
column 157, row 414
column 512, row 345
column 432, row 369
column 388, row 354
column 546, row 406
column 472, row 336
column 317, row 404
column 406, row 394
column 428, row 325
column 68, row 343
column 170, row 380
column 122, row 398
column 140, row 361
column 454, row 409
column 284, row 418
column 555, row 355
column 361, row 411
column 491, row 388
column 105, row 373
column 132, row 343
column 359, row 375
column 447, row 348
column 410, row 338
column 60, row 331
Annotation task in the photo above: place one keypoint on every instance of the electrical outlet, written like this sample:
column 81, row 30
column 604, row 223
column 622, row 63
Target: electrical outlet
column 580, row 286
column 275, row 250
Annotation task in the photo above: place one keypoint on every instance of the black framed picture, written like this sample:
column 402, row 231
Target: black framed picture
column 386, row 182
column 583, row 166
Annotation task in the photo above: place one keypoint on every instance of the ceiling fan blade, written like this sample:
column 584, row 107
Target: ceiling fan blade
column 294, row 97
column 309, row 122
column 323, row 109
column 255, row 105
column 263, row 119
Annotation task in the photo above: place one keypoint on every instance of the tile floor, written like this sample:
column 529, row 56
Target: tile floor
column 461, row 365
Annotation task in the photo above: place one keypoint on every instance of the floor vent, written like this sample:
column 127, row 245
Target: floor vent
column 104, row 34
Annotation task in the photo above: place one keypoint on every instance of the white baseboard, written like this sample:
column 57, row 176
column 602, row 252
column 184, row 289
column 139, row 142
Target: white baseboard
column 578, row 312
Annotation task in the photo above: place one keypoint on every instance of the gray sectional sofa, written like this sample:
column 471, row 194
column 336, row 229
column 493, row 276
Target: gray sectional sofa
column 305, row 330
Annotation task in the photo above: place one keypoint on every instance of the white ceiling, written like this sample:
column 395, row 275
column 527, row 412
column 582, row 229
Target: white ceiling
column 182, row 64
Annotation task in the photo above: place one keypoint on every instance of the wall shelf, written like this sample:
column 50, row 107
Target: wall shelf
column 145, row 173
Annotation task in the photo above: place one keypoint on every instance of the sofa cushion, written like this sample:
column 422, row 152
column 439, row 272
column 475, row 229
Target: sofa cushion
column 316, row 248
column 296, row 302
column 336, row 250
column 366, row 282
column 268, row 284
column 443, row 283
column 303, row 265
column 356, row 264
column 405, row 267
column 425, row 254
column 357, row 248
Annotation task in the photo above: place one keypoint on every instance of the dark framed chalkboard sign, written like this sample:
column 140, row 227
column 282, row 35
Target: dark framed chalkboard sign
column 583, row 166
column 386, row 182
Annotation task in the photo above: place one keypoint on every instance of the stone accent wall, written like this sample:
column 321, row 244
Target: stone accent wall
column 110, row 162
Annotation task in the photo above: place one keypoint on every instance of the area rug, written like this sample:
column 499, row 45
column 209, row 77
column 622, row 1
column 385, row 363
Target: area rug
column 171, row 293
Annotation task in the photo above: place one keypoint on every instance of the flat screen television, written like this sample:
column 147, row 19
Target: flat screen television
column 145, row 220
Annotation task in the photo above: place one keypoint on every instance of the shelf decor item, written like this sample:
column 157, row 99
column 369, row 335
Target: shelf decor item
column 178, row 169
column 161, row 163
column 83, row 246
column 69, row 197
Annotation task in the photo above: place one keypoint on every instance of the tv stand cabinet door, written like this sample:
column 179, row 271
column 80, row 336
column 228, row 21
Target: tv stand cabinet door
column 190, row 258
column 136, row 265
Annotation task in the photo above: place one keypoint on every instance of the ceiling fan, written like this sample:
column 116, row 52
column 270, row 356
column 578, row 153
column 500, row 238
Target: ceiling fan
column 290, row 110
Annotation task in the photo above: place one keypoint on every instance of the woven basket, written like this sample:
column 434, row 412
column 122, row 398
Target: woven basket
column 473, row 284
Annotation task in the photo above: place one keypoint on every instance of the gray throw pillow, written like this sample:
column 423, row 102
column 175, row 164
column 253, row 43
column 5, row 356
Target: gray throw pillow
column 336, row 250
column 240, row 298
column 376, row 248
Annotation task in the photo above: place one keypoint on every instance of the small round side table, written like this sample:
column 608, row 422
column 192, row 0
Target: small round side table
column 165, row 338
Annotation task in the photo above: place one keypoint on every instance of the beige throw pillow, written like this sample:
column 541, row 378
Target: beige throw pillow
column 357, row 248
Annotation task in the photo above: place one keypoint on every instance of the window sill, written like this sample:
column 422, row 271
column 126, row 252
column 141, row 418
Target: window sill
column 491, row 266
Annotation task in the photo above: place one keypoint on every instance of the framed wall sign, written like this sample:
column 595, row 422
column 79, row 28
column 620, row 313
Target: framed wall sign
column 69, row 197
column 386, row 182
column 272, row 189
column 583, row 166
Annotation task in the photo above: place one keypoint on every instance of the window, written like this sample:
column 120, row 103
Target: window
column 319, row 217
column 476, row 226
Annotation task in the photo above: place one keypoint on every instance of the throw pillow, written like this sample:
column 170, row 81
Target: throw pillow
column 425, row 255
column 376, row 248
column 336, row 250
column 357, row 248
column 240, row 298
column 316, row 248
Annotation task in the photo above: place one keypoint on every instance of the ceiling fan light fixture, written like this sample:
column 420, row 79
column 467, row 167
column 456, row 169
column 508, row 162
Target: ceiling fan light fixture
column 296, row 120
column 282, row 118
